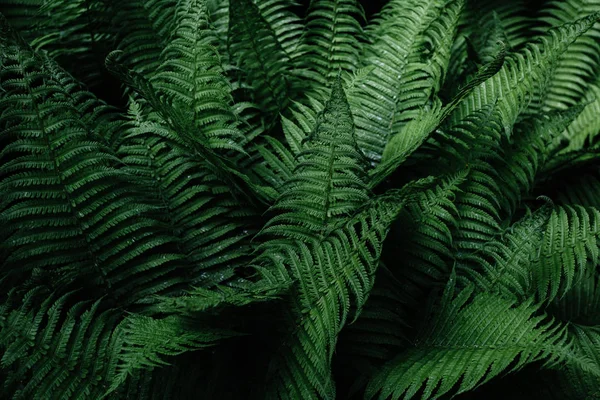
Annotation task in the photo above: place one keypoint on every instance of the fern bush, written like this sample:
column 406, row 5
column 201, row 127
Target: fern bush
column 259, row 199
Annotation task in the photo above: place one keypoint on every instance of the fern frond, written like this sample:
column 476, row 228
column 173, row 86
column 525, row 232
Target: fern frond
column 77, row 34
column 585, row 128
column 255, row 48
column 184, row 128
column 191, row 75
column 419, row 254
column 197, row 209
column 519, row 81
column 502, row 266
column 406, row 76
column 277, row 164
column 569, row 250
column 474, row 338
column 142, row 42
column 298, row 128
column 284, row 22
column 327, row 182
column 101, row 119
column 330, row 276
column 64, row 198
column 199, row 300
column 218, row 14
column 580, row 64
column 421, row 248
column 579, row 304
column 332, row 41
column 52, row 353
column 474, row 142
column 377, row 335
column 145, row 341
column 513, row 15
column 471, row 49
column 418, row 130
column 21, row 13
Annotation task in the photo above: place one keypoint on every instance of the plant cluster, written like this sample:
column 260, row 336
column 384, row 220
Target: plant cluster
column 299, row 203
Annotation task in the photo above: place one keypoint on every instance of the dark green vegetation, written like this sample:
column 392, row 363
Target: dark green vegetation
column 251, row 200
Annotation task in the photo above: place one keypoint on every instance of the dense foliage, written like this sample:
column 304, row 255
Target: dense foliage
column 251, row 199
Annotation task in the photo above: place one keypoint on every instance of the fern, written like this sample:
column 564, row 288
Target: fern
column 326, row 22
column 459, row 339
column 258, row 51
column 299, row 200
column 579, row 65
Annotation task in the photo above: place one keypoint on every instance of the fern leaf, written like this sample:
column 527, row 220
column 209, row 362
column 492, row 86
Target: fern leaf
column 145, row 37
column 514, row 16
column 330, row 274
column 570, row 248
column 145, row 341
column 422, row 252
column 23, row 14
column 327, row 182
column 199, row 300
column 580, row 64
column 180, row 123
column 284, row 22
column 255, row 48
column 76, row 34
column 514, row 87
column 502, row 266
column 195, row 207
column 191, row 75
column 333, row 38
column 58, row 187
column 50, row 353
column 405, row 76
column 474, row 338
column 418, row 130
column 585, row 128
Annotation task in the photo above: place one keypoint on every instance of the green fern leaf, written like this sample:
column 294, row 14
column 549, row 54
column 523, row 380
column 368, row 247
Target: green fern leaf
column 570, row 248
column 474, row 338
column 59, row 184
column 580, row 63
column 327, row 182
column 406, row 75
column 515, row 85
column 332, row 41
column 191, row 75
column 255, row 48
column 331, row 274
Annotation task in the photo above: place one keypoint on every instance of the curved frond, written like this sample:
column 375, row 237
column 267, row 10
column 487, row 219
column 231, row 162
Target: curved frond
column 145, row 37
column 410, row 47
column 332, row 39
column 524, row 75
column 580, row 64
column 210, row 226
column 474, row 338
column 284, row 22
column 330, row 276
column 191, row 75
column 143, row 342
column 327, row 182
column 64, row 198
column 586, row 127
column 181, row 123
column 50, row 352
column 569, row 251
column 255, row 48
